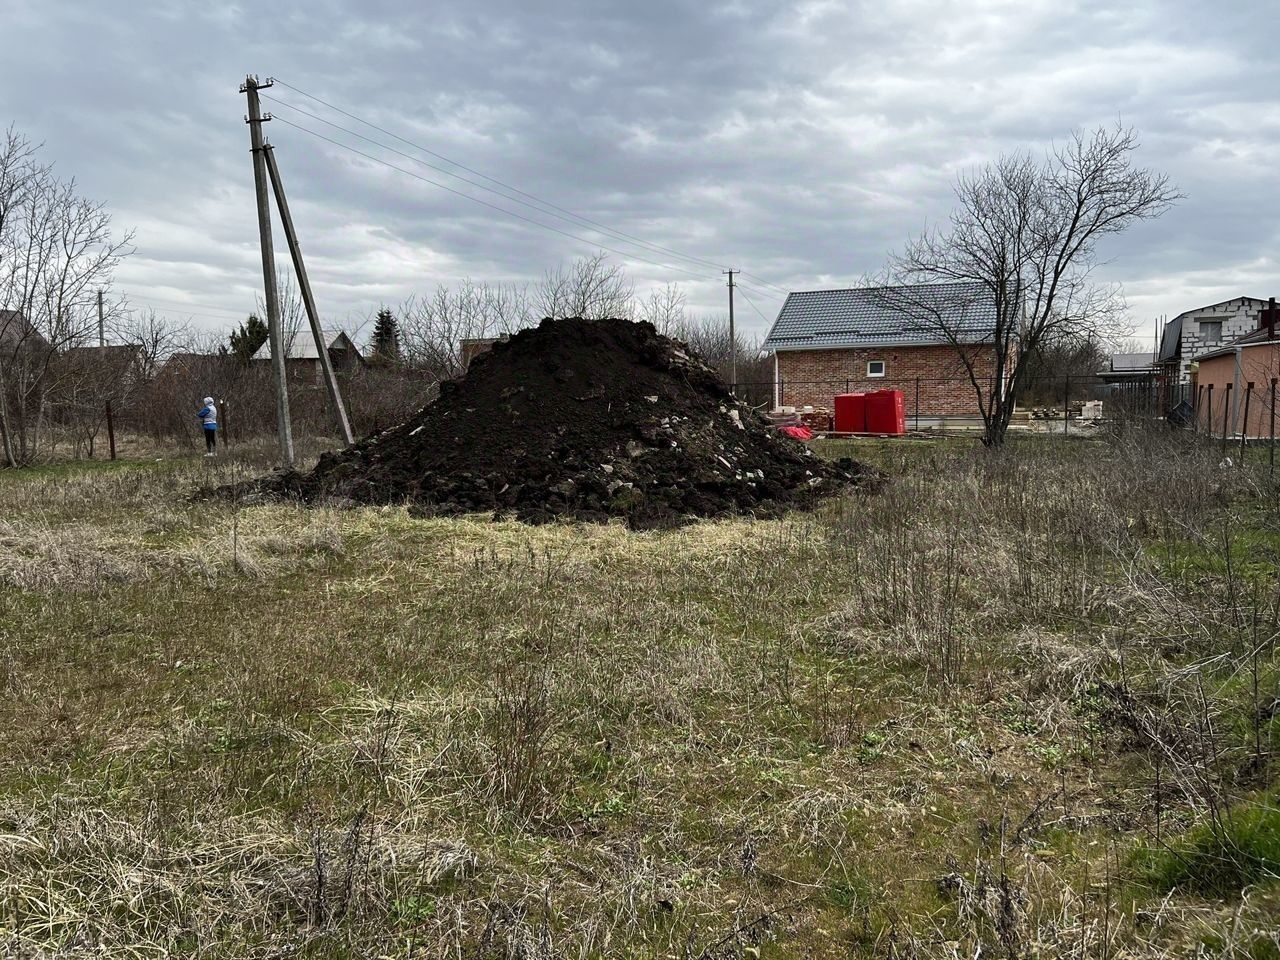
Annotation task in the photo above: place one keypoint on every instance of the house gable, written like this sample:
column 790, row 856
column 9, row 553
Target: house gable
column 1192, row 334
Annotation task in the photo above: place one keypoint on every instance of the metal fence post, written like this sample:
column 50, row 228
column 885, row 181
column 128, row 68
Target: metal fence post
column 1244, row 426
column 917, row 403
column 1208, row 412
column 1271, row 453
column 1226, row 413
column 1066, row 402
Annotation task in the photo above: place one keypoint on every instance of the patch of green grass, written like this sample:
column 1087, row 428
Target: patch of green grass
column 1247, row 543
column 77, row 468
column 1220, row 859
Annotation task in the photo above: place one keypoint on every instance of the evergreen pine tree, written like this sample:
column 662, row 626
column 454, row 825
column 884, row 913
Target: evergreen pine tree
column 246, row 340
column 386, row 337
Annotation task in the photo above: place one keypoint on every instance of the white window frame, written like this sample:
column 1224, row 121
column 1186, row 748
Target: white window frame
column 884, row 367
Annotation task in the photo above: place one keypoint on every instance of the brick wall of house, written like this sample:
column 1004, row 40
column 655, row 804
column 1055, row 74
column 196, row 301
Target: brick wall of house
column 1219, row 408
column 814, row 377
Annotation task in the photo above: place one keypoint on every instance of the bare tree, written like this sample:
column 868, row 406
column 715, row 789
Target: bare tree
column 156, row 338
column 666, row 310
column 293, row 313
column 590, row 287
column 1025, row 236
column 56, row 250
column 432, row 330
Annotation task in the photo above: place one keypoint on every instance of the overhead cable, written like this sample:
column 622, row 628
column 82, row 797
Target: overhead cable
column 486, row 203
column 506, row 186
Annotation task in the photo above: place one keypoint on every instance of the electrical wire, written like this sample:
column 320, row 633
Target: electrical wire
column 506, row 186
column 766, row 283
column 539, row 206
column 752, row 303
column 486, row 203
column 178, row 304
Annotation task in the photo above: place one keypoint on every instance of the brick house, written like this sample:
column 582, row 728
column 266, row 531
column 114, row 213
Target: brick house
column 826, row 342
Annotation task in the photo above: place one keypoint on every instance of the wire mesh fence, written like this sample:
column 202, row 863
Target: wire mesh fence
column 933, row 401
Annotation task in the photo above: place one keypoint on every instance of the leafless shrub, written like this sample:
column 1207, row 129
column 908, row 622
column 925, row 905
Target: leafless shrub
column 523, row 776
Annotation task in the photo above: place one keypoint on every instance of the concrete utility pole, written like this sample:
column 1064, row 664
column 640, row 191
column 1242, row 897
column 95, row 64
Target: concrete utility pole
column 102, row 344
column 304, row 284
column 255, row 120
column 733, row 342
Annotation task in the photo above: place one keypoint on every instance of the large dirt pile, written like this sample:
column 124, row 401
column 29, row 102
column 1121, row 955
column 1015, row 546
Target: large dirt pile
column 586, row 419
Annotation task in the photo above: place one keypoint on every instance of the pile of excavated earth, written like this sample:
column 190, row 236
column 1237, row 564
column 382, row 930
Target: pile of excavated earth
column 584, row 420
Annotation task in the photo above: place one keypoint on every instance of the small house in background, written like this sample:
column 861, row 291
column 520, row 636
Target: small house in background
column 829, row 342
column 302, row 362
column 104, row 369
column 468, row 350
column 18, row 334
column 1235, row 386
column 1190, row 335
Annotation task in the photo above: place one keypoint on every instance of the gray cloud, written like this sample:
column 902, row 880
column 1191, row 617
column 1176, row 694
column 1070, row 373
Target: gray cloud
column 800, row 142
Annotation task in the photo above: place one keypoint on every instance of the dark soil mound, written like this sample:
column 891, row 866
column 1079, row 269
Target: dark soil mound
column 587, row 420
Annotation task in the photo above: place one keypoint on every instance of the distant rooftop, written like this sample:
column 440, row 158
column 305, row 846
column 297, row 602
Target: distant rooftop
column 1121, row 362
column 304, row 345
column 883, row 316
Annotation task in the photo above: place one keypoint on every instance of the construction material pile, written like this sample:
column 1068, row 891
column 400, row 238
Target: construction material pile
column 582, row 419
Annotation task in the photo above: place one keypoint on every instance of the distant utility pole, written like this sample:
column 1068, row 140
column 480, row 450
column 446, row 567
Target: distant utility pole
column 255, row 120
column 733, row 341
column 102, row 344
column 308, row 301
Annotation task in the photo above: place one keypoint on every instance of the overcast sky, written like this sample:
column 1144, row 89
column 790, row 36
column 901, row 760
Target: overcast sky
column 798, row 142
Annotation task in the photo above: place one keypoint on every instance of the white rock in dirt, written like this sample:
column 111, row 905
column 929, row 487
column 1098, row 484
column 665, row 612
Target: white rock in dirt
column 606, row 468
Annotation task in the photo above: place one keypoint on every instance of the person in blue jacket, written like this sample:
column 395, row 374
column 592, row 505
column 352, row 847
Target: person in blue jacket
column 209, row 420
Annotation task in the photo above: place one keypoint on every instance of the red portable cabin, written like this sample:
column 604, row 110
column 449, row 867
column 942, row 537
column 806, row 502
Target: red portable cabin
column 851, row 413
column 887, row 412
column 881, row 411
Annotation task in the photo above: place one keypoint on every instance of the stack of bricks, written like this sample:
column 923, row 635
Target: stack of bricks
column 819, row 420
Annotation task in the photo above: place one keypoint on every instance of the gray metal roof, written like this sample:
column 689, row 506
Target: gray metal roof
column 883, row 316
column 1131, row 361
column 304, row 345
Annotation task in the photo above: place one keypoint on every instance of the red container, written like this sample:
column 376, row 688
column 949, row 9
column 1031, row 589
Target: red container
column 886, row 412
column 851, row 413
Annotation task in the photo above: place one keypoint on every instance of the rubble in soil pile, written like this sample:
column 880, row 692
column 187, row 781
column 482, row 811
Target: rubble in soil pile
column 582, row 419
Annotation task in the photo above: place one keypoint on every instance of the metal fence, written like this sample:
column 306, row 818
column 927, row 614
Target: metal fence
column 931, row 399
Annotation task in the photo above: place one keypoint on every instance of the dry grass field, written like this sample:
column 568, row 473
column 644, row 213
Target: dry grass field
column 1014, row 705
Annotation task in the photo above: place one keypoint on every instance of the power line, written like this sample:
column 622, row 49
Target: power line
column 486, row 203
column 539, row 206
column 764, row 294
column 766, row 283
column 171, row 304
column 752, row 303
column 495, row 180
